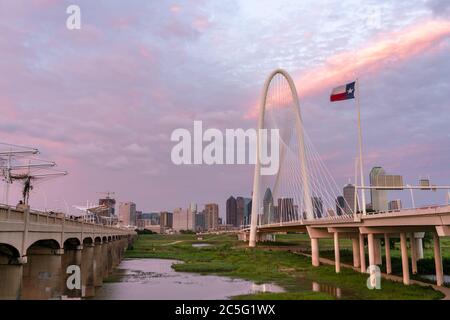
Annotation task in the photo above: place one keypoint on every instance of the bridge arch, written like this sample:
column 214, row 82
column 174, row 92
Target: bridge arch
column 71, row 243
column 295, row 105
column 98, row 240
column 51, row 244
column 88, row 240
column 8, row 254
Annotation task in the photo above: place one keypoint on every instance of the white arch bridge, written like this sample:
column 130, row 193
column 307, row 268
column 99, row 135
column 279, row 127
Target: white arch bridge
column 36, row 249
column 304, row 197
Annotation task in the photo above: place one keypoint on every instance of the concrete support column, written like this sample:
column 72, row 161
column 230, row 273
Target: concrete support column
column 419, row 246
column 315, row 252
column 87, row 271
column 405, row 264
column 355, row 249
column 105, row 264
column 42, row 274
column 371, row 245
column 10, row 279
column 438, row 260
column 71, row 257
column 413, row 246
column 387, row 246
column 110, row 256
column 362, row 253
column 337, row 254
column 98, row 265
column 377, row 252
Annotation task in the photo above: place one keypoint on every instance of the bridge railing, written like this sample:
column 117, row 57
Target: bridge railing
column 9, row 213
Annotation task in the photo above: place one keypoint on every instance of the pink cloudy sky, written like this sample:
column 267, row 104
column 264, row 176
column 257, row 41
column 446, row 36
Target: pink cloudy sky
column 102, row 101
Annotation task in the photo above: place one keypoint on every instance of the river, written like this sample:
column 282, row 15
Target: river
column 154, row 279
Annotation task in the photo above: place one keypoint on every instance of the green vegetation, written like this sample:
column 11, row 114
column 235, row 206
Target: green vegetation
column 269, row 264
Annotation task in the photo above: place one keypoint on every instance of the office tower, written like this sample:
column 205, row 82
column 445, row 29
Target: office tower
column 317, row 207
column 340, row 205
column 231, row 214
column 200, row 221
column 378, row 197
column 211, row 215
column 193, row 207
column 267, row 207
column 127, row 213
column 285, row 209
column 166, row 219
column 349, row 199
column 247, row 211
column 395, row 204
column 183, row 219
column 240, row 211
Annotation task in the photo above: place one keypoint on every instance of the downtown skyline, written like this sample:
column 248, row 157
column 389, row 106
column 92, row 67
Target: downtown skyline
column 102, row 101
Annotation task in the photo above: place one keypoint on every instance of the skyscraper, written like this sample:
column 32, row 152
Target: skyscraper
column 231, row 213
column 340, row 205
column 127, row 213
column 200, row 221
column 240, row 211
column 349, row 199
column 267, row 207
column 247, row 211
column 378, row 197
column 286, row 209
column 166, row 219
column 211, row 215
column 183, row 219
column 317, row 207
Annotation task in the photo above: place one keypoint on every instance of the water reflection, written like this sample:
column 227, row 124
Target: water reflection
column 154, row 279
column 331, row 290
column 201, row 245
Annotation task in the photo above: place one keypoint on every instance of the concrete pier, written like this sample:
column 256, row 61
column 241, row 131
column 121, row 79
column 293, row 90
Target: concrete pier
column 98, row 264
column 42, row 274
column 315, row 252
column 405, row 263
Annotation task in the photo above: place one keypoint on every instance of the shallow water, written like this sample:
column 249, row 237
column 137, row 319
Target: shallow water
column 432, row 277
column 154, row 279
column 201, row 245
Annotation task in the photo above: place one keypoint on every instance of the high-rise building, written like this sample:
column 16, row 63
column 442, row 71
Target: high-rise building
column 317, row 204
column 200, row 221
column 349, row 199
column 240, row 211
column 395, row 204
column 183, row 219
column 166, row 219
column 268, row 208
column 286, row 210
column 378, row 197
column 193, row 207
column 211, row 215
column 127, row 213
column 340, row 205
column 247, row 211
column 231, row 214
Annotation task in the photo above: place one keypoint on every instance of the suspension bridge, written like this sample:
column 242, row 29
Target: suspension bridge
column 304, row 197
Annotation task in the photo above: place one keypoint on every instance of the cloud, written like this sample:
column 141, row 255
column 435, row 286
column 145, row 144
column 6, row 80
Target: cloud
column 388, row 49
column 137, row 149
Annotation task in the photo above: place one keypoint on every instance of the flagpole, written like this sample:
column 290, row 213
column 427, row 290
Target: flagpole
column 358, row 106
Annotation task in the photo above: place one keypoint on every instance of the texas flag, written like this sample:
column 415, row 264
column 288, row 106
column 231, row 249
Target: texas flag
column 344, row 92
